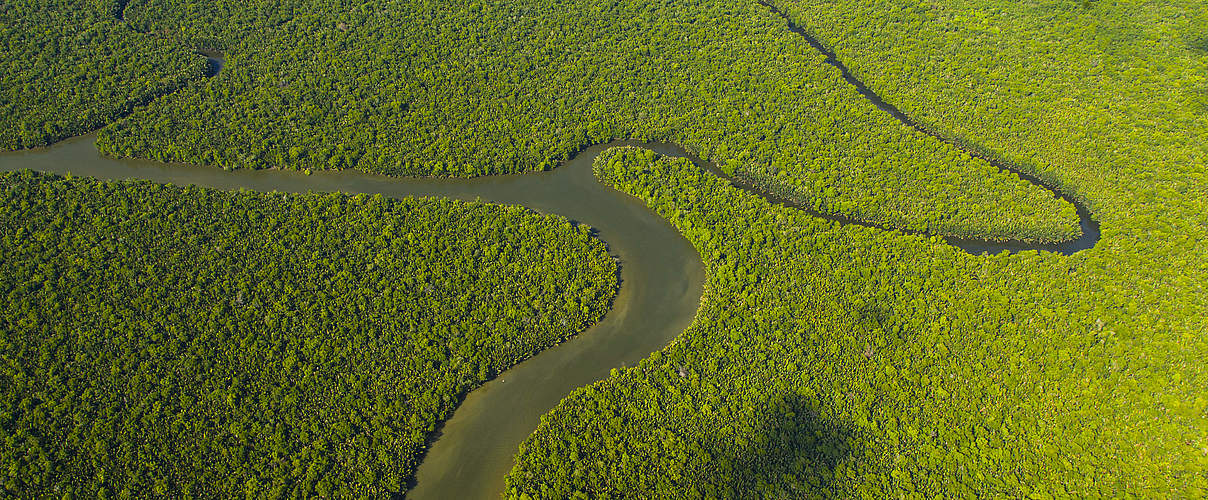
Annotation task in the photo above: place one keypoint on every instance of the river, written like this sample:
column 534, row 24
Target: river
column 662, row 276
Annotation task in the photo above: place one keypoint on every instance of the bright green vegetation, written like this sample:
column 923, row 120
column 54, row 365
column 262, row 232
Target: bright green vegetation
column 826, row 360
column 196, row 342
column 469, row 88
column 72, row 66
column 1091, row 95
column 842, row 361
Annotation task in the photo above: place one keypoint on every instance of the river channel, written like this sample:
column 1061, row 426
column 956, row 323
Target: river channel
column 662, row 277
column 661, row 283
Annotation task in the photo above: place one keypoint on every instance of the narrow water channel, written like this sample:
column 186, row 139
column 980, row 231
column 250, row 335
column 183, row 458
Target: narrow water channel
column 1089, row 226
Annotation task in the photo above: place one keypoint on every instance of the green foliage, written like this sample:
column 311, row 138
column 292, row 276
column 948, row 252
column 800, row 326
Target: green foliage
column 1199, row 44
column 210, row 343
column 1089, row 99
column 838, row 361
column 931, row 372
column 71, row 67
column 467, row 88
column 826, row 360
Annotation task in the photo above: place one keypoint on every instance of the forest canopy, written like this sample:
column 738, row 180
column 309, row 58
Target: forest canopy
column 826, row 359
column 834, row 361
column 193, row 342
column 467, row 88
column 71, row 67
column 837, row 361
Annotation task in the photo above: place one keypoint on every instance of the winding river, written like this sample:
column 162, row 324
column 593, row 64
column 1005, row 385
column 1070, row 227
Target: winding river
column 662, row 280
column 662, row 277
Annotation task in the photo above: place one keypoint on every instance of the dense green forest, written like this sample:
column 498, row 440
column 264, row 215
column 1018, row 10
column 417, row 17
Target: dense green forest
column 1087, row 94
column 469, row 88
column 72, row 67
column 143, row 342
column 834, row 360
column 839, row 361
column 193, row 342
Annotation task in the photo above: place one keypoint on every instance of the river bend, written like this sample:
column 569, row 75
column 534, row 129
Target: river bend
column 662, row 279
column 662, row 276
